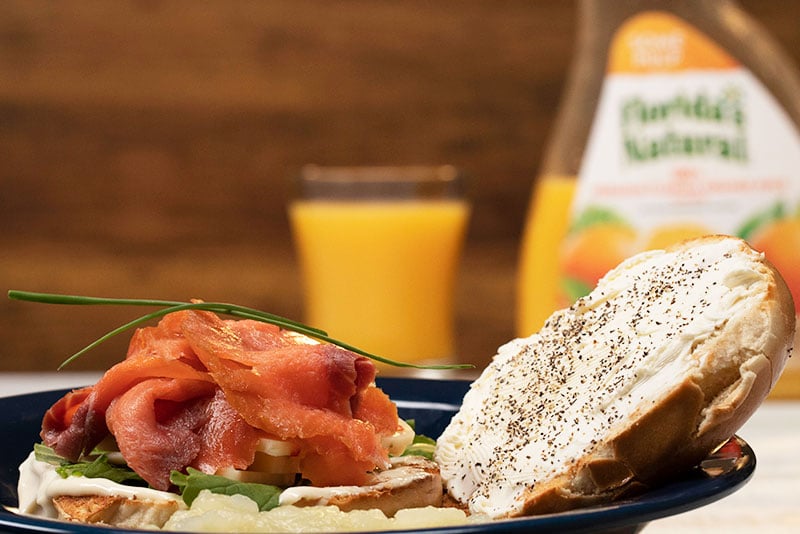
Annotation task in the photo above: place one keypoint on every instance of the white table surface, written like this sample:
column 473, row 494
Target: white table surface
column 769, row 501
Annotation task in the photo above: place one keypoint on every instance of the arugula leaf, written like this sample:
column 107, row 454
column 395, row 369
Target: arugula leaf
column 194, row 481
column 191, row 484
column 421, row 445
column 47, row 455
column 92, row 467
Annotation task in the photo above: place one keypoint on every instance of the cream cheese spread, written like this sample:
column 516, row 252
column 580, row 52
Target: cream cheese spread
column 546, row 400
column 39, row 483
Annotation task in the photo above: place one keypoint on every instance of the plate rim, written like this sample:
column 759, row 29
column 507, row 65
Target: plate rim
column 652, row 505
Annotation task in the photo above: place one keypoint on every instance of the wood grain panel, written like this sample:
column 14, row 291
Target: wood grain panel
column 147, row 146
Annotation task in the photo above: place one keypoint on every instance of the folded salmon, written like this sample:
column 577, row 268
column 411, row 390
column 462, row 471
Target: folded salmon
column 198, row 391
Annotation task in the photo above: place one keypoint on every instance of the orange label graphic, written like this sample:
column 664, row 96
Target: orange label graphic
column 660, row 42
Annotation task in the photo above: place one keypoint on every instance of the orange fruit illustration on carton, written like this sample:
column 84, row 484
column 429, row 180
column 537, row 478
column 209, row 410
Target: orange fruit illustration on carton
column 667, row 235
column 779, row 240
column 597, row 241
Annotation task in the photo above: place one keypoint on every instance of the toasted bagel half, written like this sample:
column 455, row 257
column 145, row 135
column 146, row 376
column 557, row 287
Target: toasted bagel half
column 634, row 383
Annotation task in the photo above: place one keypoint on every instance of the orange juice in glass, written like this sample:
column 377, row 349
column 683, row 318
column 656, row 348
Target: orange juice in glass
column 379, row 249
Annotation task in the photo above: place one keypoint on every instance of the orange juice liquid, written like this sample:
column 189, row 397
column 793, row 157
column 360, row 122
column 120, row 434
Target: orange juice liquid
column 381, row 275
column 548, row 220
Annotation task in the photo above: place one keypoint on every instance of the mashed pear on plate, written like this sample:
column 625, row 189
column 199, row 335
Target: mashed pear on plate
column 237, row 513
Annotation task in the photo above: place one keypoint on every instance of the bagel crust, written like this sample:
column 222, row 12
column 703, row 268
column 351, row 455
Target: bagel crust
column 634, row 383
column 114, row 510
column 412, row 482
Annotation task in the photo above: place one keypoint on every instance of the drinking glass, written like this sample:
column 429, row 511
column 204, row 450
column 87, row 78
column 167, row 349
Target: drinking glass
column 379, row 250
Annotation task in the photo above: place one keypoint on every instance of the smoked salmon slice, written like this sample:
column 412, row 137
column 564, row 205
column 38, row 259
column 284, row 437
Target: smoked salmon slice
column 199, row 391
column 155, row 443
column 300, row 392
column 154, row 352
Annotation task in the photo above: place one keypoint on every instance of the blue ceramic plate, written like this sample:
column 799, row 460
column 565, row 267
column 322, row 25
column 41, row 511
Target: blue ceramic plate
column 431, row 403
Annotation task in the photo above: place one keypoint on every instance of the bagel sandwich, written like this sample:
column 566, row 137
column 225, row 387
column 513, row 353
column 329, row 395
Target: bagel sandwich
column 231, row 406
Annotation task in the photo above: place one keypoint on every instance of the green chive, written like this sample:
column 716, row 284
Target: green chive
column 169, row 306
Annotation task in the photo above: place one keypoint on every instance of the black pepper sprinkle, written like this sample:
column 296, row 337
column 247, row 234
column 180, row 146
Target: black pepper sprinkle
column 544, row 386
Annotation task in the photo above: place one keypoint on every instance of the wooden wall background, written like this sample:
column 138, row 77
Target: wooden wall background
column 146, row 146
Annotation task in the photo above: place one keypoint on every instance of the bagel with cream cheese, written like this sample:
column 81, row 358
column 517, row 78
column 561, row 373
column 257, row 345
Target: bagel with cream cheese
column 636, row 382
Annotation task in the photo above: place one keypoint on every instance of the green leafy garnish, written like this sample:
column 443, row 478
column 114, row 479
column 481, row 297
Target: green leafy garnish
column 169, row 306
column 421, row 445
column 194, row 481
column 93, row 467
column 47, row 455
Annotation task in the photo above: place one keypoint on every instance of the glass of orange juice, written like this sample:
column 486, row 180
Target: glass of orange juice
column 379, row 250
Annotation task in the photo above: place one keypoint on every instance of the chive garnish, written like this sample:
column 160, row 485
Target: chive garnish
column 169, row 306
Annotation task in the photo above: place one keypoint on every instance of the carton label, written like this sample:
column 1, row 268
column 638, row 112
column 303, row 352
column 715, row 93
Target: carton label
column 686, row 141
